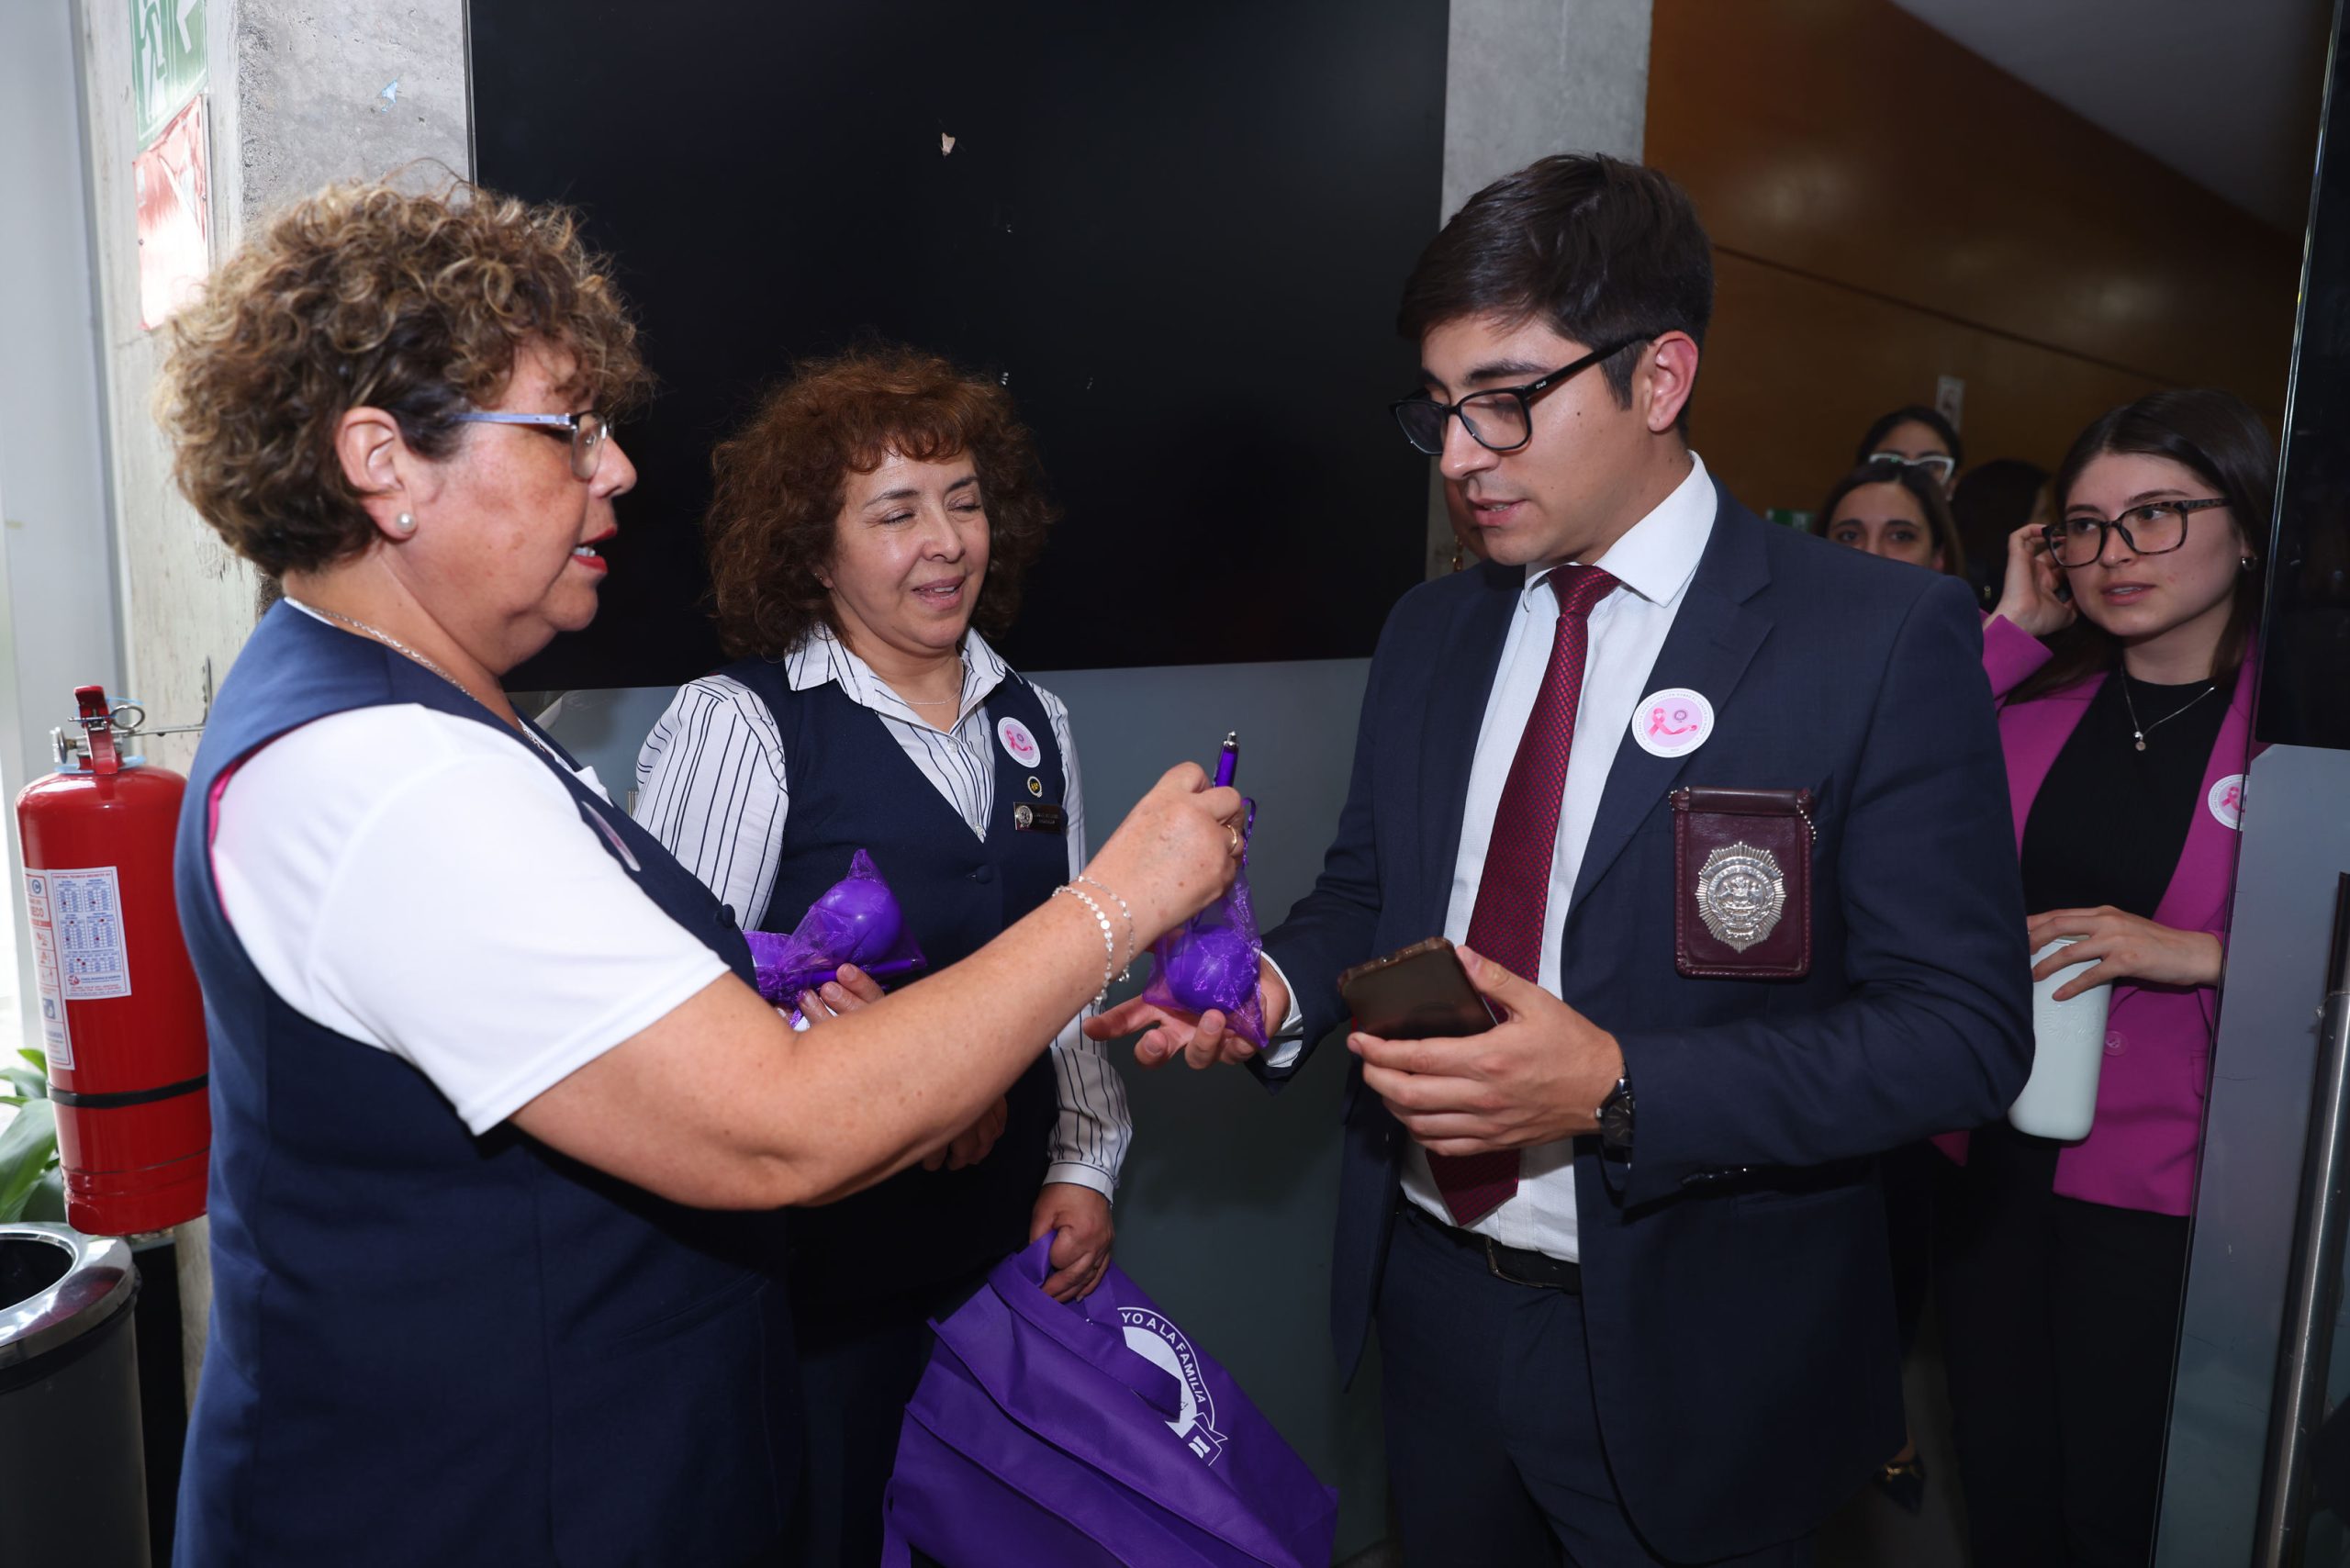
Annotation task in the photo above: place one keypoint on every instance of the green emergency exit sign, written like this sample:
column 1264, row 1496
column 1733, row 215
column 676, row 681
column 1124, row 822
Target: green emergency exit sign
column 166, row 60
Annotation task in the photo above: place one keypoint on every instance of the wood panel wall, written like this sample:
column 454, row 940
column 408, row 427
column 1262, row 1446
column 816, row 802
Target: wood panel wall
column 1888, row 207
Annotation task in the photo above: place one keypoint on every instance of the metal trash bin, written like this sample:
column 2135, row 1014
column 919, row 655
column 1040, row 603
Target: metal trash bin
column 70, row 1447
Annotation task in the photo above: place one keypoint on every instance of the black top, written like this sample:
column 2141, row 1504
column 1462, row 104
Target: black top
column 2109, row 821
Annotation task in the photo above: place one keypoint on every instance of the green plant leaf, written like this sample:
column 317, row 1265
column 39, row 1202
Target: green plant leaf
column 39, row 1060
column 27, row 1148
column 48, row 1197
column 24, row 1082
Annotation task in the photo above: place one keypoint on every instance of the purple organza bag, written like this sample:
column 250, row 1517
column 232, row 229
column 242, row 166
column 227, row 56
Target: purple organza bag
column 1093, row 1432
column 1211, row 961
column 856, row 921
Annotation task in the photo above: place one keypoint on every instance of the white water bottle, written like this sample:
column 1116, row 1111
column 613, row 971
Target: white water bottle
column 2059, row 1100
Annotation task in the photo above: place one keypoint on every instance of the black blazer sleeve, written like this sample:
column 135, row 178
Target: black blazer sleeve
column 1935, row 1033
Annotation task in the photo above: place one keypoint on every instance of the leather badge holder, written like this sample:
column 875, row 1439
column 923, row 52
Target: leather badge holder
column 1741, row 877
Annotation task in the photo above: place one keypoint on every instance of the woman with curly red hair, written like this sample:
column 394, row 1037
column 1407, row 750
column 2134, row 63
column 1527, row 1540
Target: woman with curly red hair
column 870, row 520
column 483, row 1054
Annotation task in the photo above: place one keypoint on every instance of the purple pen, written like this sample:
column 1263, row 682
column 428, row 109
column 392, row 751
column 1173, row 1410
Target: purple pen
column 1227, row 760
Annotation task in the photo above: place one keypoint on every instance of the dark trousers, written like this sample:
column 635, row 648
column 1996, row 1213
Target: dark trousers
column 2060, row 1323
column 1493, row 1453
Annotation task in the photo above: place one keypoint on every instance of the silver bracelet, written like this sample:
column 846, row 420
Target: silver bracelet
column 1127, row 967
column 1109, row 939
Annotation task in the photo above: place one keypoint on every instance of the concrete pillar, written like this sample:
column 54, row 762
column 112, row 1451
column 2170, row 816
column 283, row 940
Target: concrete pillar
column 301, row 93
column 1525, row 78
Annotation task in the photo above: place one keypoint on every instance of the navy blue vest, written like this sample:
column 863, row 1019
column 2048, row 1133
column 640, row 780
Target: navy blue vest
column 431, row 1348
column 854, row 788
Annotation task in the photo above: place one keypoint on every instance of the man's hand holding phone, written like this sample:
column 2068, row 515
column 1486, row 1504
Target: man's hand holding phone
column 1537, row 1075
column 1203, row 1041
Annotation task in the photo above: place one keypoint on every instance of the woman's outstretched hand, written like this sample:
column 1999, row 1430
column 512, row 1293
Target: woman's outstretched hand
column 1177, row 849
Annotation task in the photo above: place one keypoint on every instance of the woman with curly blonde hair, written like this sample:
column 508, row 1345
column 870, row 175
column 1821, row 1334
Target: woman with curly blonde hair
column 483, row 1052
column 870, row 522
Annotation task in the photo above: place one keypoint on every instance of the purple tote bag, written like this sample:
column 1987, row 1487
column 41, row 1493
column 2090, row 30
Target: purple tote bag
column 1093, row 1432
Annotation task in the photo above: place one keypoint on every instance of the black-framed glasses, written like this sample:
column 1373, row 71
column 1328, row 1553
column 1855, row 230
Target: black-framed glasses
column 586, row 434
column 1938, row 464
column 1499, row 419
column 2154, row 529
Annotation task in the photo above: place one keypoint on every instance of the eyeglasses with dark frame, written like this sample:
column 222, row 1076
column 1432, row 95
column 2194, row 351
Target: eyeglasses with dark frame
column 2157, row 528
column 1505, row 409
column 586, row 434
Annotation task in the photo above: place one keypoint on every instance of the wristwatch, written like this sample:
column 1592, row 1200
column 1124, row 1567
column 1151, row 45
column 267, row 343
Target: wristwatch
column 1615, row 1116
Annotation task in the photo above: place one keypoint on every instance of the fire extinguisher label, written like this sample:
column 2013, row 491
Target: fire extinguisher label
column 76, row 919
column 57, row 1040
column 87, row 909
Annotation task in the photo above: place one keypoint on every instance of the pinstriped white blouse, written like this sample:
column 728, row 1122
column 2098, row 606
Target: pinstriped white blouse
column 710, row 787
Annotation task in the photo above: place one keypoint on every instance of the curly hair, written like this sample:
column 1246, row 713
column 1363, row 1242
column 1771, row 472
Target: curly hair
column 366, row 296
column 782, row 479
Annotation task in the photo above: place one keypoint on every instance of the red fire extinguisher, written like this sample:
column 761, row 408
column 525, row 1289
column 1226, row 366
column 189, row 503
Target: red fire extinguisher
column 121, row 1019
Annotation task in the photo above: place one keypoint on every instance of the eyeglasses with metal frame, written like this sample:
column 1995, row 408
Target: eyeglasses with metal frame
column 2157, row 528
column 1505, row 409
column 586, row 431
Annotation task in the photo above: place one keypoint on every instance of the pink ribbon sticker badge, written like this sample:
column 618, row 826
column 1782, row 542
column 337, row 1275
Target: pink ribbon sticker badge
column 2226, row 799
column 1672, row 723
column 1018, row 742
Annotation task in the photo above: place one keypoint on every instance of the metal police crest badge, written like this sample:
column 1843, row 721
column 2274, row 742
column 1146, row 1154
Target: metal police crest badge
column 1741, row 893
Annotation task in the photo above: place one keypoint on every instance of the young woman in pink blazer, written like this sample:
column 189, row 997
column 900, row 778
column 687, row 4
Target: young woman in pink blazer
column 2120, row 654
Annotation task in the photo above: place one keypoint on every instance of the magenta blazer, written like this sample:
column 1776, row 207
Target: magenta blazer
column 2142, row 1148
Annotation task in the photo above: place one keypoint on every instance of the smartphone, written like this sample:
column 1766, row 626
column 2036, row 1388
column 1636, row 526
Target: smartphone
column 1419, row 993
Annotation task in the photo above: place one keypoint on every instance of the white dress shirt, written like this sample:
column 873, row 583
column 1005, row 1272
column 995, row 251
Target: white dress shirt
column 1654, row 562
column 711, row 787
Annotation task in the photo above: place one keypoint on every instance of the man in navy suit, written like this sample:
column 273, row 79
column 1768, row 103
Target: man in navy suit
column 1626, row 1250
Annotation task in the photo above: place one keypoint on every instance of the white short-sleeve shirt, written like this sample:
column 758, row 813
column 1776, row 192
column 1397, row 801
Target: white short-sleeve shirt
column 425, row 884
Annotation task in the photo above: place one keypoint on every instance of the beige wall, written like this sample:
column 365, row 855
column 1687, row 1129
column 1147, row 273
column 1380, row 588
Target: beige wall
column 1888, row 207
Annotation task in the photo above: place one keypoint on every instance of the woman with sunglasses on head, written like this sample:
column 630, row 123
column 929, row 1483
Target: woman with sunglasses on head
column 1894, row 510
column 1916, row 436
column 877, row 511
column 484, row 1055
column 2121, row 652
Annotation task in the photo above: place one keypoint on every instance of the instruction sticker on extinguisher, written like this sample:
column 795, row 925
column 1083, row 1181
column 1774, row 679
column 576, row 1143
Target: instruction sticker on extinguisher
column 57, row 1040
column 85, row 908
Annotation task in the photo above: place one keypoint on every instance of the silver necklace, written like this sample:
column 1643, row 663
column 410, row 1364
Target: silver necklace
column 386, row 639
column 2139, row 731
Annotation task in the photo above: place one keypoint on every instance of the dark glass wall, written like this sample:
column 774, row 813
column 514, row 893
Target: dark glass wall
column 1177, row 232
column 2305, row 642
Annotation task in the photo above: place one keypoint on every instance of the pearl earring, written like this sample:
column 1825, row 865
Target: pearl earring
column 405, row 524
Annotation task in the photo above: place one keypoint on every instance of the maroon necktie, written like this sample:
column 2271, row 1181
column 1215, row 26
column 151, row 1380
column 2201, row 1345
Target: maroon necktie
column 1515, row 886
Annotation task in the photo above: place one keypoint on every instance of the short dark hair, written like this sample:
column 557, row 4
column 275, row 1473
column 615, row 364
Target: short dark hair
column 1915, row 414
column 1928, row 494
column 2217, row 436
column 1603, row 251
column 1993, row 500
column 780, row 482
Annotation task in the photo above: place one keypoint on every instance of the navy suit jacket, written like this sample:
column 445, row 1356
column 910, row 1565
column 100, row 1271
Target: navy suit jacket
column 1736, row 1285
